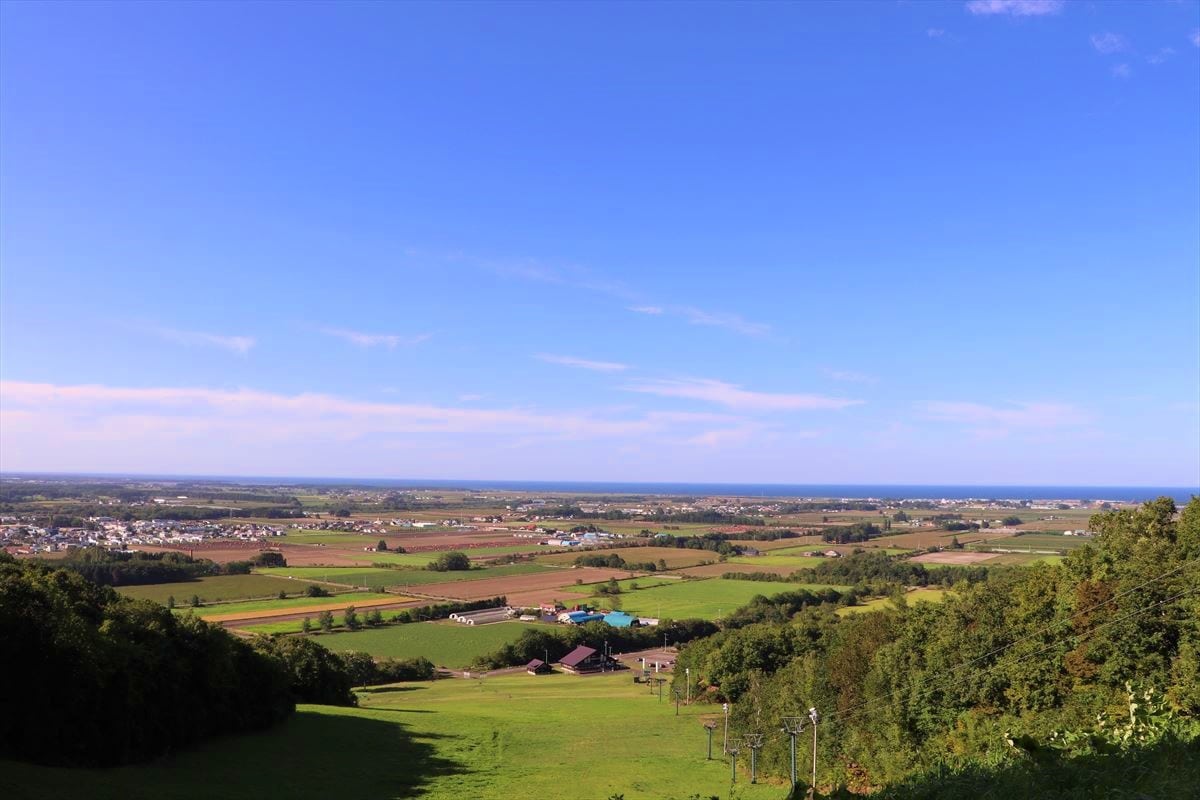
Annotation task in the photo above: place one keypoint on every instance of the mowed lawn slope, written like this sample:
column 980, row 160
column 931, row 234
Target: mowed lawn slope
column 447, row 644
column 488, row 740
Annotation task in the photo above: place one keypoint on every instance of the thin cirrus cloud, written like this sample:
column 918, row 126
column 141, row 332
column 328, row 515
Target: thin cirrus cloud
column 582, row 363
column 362, row 339
column 1009, row 415
column 240, row 345
column 1194, row 37
column 35, row 411
column 735, row 397
column 714, row 319
column 1108, row 43
column 850, row 376
column 1015, row 8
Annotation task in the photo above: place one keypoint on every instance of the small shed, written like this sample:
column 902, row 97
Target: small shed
column 537, row 667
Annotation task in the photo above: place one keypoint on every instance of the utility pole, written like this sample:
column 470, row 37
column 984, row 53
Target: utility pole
column 754, row 742
column 793, row 727
column 815, row 717
column 733, row 751
column 675, row 693
column 725, row 741
column 687, row 673
column 710, row 726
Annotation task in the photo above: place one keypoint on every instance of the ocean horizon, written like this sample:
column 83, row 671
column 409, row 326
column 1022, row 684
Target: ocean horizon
column 849, row 491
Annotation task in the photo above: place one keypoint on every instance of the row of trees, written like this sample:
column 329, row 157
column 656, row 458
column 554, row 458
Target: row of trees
column 1040, row 662
column 133, row 568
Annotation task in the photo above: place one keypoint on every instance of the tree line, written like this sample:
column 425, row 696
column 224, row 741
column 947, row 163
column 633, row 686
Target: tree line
column 1050, row 680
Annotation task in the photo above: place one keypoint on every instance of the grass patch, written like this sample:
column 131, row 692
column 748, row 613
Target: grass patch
column 382, row 577
column 446, row 740
column 704, row 599
column 283, row 605
column 214, row 589
column 923, row 594
column 447, row 644
column 674, row 556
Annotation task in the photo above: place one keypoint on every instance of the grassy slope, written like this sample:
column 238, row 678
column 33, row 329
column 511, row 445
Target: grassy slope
column 215, row 588
column 488, row 740
column 447, row 644
column 913, row 596
column 705, row 599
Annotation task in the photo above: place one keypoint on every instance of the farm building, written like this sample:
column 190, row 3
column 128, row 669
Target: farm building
column 538, row 667
column 582, row 659
column 482, row 616
column 619, row 619
column 579, row 617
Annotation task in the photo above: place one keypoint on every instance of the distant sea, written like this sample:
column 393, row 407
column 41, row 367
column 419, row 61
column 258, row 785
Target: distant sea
column 1181, row 494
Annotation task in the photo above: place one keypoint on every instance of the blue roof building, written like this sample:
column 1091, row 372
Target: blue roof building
column 619, row 619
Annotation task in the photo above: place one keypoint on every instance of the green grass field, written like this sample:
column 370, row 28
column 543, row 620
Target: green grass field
column 496, row 739
column 447, row 644
column 284, row 605
column 674, row 556
column 1040, row 541
column 381, row 577
column 626, row 585
column 711, row 598
column 772, row 560
column 914, row 596
column 215, row 589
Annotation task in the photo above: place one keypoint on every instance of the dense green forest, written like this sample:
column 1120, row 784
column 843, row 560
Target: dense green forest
column 97, row 679
column 1073, row 680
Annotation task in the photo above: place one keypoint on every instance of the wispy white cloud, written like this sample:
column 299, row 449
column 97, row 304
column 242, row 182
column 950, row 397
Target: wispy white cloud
column 388, row 340
column 1121, row 71
column 726, row 320
column 935, row 33
column 234, row 344
column 582, row 363
column 1108, row 43
column 735, row 397
column 713, row 319
column 849, row 376
column 1015, row 8
column 1162, row 56
column 1009, row 415
column 1195, row 37
column 92, row 410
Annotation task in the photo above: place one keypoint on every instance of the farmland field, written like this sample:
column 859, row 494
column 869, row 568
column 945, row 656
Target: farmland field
column 447, row 644
column 1040, row 541
column 674, row 556
column 772, row 560
column 381, row 577
column 231, row 610
column 711, row 598
column 445, row 740
column 215, row 588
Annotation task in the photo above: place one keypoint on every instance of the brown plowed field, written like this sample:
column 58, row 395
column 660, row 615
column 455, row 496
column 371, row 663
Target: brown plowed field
column 522, row 585
column 952, row 557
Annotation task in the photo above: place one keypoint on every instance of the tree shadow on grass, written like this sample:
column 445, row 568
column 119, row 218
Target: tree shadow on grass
column 319, row 753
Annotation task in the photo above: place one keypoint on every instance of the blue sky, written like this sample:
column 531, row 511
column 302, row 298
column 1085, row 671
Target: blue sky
column 877, row 242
